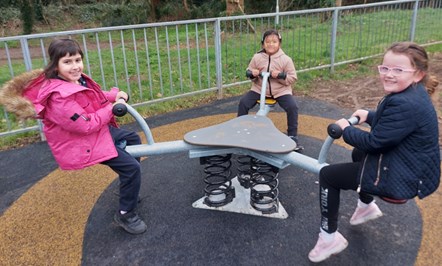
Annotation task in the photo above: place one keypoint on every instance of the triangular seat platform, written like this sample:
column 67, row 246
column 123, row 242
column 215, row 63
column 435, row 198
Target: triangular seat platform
column 252, row 132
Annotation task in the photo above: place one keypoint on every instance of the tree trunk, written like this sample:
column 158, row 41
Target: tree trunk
column 234, row 6
column 186, row 6
column 153, row 9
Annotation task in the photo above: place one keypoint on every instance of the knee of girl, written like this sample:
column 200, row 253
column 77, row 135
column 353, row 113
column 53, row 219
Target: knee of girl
column 242, row 104
column 322, row 176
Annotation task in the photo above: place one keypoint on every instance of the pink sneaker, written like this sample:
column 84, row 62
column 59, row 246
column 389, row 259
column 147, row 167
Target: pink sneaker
column 366, row 213
column 324, row 249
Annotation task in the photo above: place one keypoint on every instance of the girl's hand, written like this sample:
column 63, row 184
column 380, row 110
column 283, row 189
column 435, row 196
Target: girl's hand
column 362, row 114
column 274, row 74
column 122, row 95
column 342, row 123
column 255, row 72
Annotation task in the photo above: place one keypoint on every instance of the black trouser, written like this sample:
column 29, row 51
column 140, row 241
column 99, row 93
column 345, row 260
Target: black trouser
column 127, row 167
column 332, row 179
column 287, row 102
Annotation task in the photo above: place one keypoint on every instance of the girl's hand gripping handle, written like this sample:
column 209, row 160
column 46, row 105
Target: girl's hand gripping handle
column 119, row 108
column 335, row 131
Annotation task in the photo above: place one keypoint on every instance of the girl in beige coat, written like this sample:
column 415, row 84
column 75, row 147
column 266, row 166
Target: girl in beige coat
column 282, row 76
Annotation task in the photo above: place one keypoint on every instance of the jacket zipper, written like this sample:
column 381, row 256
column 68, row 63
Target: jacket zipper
column 378, row 177
column 362, row 173
column 270, row 87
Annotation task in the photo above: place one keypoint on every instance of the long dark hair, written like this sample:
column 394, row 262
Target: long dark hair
column 58, row 49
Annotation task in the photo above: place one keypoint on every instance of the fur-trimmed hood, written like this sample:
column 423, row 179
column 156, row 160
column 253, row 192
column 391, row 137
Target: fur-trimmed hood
column 13, row 98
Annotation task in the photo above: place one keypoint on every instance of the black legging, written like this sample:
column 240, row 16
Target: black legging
column 287, row 102
column 332, row 179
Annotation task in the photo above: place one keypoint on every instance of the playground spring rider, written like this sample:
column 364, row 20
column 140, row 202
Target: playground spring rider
column 270, row 151
column 255, row 175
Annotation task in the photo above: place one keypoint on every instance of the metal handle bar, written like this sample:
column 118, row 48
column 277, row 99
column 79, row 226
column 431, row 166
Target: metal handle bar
column 120, row 108
column 333, row 129
column 297, row 159
column 262, row 104
column 263, row 110
column 281, row 75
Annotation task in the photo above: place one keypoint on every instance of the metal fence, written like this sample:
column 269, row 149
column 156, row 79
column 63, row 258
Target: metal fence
column 162, row 61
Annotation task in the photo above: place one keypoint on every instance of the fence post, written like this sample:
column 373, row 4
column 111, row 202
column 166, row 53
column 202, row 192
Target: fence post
column 277, row 13
column 413, row 20
column 218, row 61
column 26, row 54
column 333, row 39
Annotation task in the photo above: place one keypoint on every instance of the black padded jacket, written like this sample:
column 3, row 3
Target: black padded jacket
column 402, row 148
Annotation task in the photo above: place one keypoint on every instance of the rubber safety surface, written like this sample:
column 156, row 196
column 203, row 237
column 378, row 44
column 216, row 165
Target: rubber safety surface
column 54, row 217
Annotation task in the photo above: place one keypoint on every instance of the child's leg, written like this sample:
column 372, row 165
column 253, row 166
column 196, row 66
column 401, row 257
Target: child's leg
column 332, row 179
column 358, row 156
column 288, row 103
column 129, row 173
column 247, row 102
column 127, row 167
column 130, row 137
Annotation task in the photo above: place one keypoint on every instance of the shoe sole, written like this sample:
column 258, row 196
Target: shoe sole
column 336, row 250
column 366, row 219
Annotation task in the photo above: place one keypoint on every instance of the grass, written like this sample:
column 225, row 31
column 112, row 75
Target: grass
column 305, row 81
column 181, row 59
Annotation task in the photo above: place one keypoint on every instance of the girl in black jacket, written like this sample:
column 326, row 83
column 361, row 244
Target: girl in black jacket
column 397, row 160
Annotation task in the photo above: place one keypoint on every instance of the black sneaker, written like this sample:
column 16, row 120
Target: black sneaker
column 130, row 222
column 298, row 147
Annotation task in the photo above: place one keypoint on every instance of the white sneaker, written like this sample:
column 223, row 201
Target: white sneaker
column 324, row 249
column 365, row 213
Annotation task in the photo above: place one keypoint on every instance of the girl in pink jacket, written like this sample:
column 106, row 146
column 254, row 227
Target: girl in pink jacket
column 273, row 59
column 80, row 128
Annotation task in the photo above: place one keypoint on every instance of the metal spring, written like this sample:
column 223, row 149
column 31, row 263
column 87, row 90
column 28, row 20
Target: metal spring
column 264, row 190
column 219, row 190
column 245, row 170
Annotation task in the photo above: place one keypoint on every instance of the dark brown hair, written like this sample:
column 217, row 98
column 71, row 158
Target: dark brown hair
column 58, row 49
column 270, row 32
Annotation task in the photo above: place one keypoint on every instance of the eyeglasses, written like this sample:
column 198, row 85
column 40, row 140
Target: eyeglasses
column 395, row 71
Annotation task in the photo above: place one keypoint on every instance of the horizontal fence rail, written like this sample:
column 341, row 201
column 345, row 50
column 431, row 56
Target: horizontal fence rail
column 162, row 61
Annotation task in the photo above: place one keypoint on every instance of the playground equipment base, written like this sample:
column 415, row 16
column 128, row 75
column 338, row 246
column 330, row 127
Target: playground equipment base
column 241, row 204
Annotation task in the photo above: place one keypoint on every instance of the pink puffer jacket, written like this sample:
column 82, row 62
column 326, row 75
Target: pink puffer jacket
column 76, row 121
